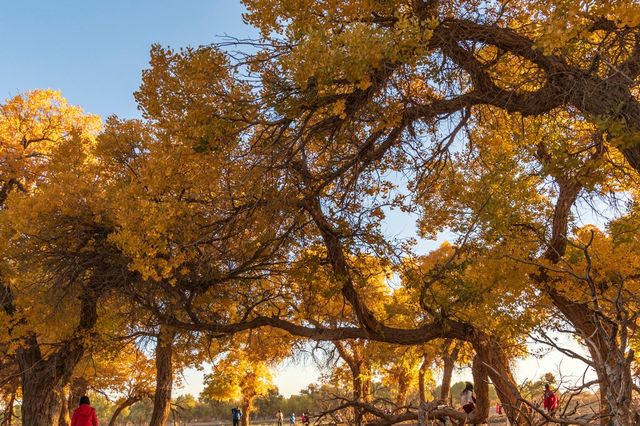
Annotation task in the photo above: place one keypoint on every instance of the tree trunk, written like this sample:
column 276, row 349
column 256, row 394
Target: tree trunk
column 361, row 385
column 43, row 378
column 403, row 390
column 611, row 363
column 449, row 358
column 492, row 355
column 120, row 407
column 246, row 412
column 40, row 400
column 616, row 385
column 481, row 388
column 164, row 378
column 424, row 367
column 65, row 419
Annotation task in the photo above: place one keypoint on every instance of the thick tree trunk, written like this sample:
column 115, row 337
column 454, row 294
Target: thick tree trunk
column 40, row 399
column 616, row 385
column 164, row 378
column 613, row 368
column 42, row 378
column 492, row 355
column 611, row 362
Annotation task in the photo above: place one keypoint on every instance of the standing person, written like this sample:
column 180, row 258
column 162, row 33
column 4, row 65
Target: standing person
column 550, row 400
column 292, row 419
column 85, row 414
column 468, row 399
column 279, row 417
column 236, row 415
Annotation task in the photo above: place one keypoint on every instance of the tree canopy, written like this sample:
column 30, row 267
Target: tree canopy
column 254, row 198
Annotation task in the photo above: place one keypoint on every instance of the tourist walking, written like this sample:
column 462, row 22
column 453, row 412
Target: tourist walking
column 85, row 414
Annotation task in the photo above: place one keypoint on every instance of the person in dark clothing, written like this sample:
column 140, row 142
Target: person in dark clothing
column 236, row 415
column 550, row 400
column 85, row 414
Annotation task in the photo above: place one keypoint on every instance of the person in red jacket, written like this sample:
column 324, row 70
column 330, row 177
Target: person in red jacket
column 85, row 414
column 550, row 400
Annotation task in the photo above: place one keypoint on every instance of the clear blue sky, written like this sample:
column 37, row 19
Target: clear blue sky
column 94, row 51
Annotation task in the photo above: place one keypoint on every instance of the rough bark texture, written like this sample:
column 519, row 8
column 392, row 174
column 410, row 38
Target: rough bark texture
column 65, row 416
column 492, row 355
column 611, row 363
column 164, row 378
column 42, row 378
column 40, row 401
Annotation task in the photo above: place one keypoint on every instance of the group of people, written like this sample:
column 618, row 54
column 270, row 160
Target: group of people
column 468, row 400
column 85, row 414
column 304, row 418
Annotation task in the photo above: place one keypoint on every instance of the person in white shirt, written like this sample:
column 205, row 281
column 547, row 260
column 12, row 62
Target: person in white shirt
column 468, row 399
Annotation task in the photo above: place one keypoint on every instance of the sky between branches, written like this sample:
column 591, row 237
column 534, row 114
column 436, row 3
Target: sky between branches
column 94, row 52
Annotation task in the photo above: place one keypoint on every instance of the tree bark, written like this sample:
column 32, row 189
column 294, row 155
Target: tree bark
column 358, row 392
column 42, row 378
column 65, row 417
column 449, row 358
column 424, row 367
column 492, row 356
column 361, row 385
column 164, row 378
column 612, row 365
column 246, row 412
column 605, row 336
column 403, row 390
column 40, row 400
column 481, row 387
